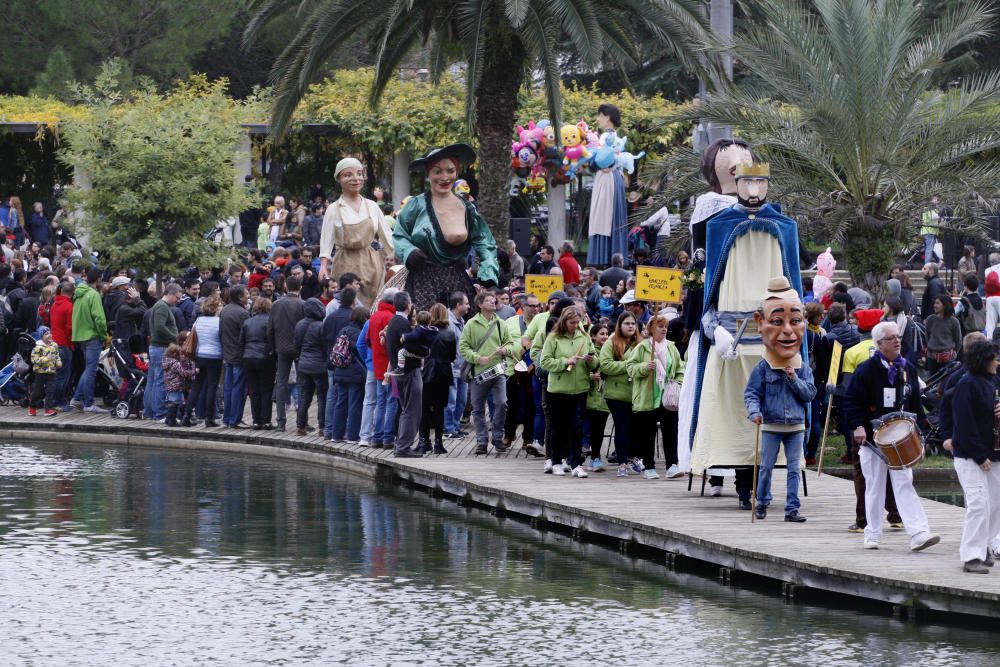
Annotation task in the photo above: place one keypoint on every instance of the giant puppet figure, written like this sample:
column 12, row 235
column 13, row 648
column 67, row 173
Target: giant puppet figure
column 746, row 245
column 718, row 168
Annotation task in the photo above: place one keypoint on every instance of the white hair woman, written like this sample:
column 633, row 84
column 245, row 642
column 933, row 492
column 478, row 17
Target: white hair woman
column 350, row 225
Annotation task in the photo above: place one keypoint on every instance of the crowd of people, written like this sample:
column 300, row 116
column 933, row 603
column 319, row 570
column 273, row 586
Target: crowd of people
column 396, row 326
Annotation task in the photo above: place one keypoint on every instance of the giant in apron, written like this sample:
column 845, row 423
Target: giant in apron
column 355, row 253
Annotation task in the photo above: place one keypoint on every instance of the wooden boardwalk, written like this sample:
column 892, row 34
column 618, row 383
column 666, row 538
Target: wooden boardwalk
column 661, row 514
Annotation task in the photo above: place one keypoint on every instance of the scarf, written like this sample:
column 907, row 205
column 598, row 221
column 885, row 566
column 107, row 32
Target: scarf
column 816, row 329
column 661, row 354
column 895, row 366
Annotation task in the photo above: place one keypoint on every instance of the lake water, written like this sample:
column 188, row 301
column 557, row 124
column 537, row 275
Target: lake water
column 150, row 557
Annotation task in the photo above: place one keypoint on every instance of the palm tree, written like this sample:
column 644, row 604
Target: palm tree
column 847, row 113
column 501, row 42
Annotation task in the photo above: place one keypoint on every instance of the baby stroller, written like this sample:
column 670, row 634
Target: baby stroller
column 21, row 364
column 129, row 383
column 12, row 388
column 931, row 395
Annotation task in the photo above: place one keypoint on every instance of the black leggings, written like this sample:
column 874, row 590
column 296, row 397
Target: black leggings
column 260, row 384
column 206, row 387
column 644, row 436
column 435, row 400
column 597, row 420
column 566, row 411
column 621, row 414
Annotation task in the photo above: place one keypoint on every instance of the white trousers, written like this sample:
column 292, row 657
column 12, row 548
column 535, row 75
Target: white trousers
column 982, row 507
column 907, row 501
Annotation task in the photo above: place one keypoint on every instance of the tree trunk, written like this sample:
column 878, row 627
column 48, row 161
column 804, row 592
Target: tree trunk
column 496, row 108
column 870, row 251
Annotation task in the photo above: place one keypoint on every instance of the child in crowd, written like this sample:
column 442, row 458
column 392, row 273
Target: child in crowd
column 597, row 409
column 45, row 361
column 179, row 371
column 417, row 343
column 607, row 303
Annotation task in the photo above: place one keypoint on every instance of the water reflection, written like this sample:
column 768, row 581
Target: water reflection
column 153, row 557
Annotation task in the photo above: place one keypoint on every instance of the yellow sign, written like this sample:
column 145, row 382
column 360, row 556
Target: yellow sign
column 838, row 350
column 542, row 286
column 654, row 284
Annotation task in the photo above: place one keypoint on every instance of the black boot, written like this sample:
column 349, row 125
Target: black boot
column 172, row 414
column 424, row 447
column 439, row 445
column 188, row 420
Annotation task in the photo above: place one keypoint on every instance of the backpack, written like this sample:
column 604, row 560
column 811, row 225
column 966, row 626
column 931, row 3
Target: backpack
column 341, row 355
column 972, row 319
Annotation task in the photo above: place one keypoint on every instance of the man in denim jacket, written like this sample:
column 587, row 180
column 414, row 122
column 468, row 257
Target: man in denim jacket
column 779, row 391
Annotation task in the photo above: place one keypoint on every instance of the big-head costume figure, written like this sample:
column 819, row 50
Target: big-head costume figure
column 746, row 245
column 718, row 168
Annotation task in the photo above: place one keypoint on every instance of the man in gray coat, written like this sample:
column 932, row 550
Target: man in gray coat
column 234, row 384
column 285, row 314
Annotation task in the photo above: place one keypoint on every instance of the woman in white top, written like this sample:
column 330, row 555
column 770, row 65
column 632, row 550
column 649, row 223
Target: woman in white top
column 350, row 226
column 276, row 218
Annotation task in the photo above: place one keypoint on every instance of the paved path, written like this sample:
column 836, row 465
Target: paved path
column 661, row 514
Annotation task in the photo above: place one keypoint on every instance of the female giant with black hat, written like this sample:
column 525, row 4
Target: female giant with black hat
column 435, row 232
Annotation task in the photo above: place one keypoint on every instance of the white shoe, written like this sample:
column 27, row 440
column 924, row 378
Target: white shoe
column 923, row 540
column 673, row 472
column 715, row 491
column 566, row 467
column 548, row 466
column 871, row 544
column 96, row 409
column 365, row 443
column 559, row 469
column 579, row 472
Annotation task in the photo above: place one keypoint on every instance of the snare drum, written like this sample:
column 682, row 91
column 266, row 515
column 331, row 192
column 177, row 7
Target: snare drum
column 899, row 441
column 490, row 373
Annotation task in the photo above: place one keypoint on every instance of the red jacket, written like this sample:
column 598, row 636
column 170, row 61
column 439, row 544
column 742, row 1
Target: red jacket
column 62, row 321
column 570, row 269
column 380, row 358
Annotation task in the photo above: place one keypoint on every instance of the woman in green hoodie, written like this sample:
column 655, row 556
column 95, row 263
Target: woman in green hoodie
column 568, row 356
column 618, row 388
column 597, row 407
column 652, row 364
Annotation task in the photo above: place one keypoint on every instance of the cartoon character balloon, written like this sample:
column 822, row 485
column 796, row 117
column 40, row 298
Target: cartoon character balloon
column 826, row 264
column 574, row 152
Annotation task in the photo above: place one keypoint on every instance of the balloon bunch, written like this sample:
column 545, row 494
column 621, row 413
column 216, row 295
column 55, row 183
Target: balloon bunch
column 537, row 158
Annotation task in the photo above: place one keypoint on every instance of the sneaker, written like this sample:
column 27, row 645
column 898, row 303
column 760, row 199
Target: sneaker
column 923, row 540
column 745, row 505
column 161, row 420
column 976, row 566
column 651, row 474
column 673, row 472
column 349, row 443
column 566, row 467
column 795, row 517
column 597, row 465
column 500, row 447
column 481, row 449
column 452, row 436
column 49, row 412
column 95, row 409
column 76, row 405
column 871, row 544
column 622, row 470
column 548, row 467
column 760, row 512
column 896, row 525
column 535, row 449
column 715, row 491
column 637, row 466
column 559, row 469
column 579, row 472
column 855, row 528
column 810, row 460
column 365, row 443
column 32, row 412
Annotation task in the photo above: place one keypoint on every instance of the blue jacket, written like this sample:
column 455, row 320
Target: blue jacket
column 362, row 346
column 780, row 400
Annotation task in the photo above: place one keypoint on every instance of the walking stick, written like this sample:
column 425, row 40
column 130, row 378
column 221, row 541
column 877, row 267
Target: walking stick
column 826, row 429
column 756, row 464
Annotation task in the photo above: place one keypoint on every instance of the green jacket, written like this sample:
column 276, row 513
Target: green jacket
column 555, row 357
column 415, row 228
column 617, row 383
column 473, row 334
column 88, row 315
column 643, row 397
column 595, row 397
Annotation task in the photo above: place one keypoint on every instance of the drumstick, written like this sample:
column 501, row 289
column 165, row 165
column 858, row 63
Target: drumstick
column 826, row 429
column 756, row 463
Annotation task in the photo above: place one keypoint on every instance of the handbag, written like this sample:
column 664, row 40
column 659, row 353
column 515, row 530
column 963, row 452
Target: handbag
column 672, row 392
column 465, row 371
column 190, row 345
column 943, row 357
